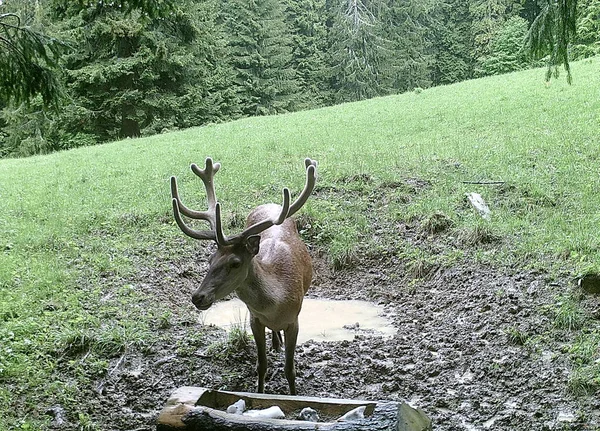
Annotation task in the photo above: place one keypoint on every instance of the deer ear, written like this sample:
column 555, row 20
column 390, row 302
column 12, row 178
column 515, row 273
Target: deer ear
column 253, row 244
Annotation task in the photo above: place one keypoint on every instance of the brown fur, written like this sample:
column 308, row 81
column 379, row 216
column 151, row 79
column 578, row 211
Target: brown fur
column 272, row 284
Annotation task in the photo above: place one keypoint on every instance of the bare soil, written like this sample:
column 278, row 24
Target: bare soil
column 470, row 350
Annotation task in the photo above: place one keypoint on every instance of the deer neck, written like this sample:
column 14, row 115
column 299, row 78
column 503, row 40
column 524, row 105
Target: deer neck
column 257, row 291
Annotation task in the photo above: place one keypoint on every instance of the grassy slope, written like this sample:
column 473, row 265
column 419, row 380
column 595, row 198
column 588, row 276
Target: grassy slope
column 72, row 223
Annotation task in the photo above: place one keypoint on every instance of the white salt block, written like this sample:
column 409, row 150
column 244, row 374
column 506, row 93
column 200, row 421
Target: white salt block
column 354, row 415
column 237, row 408
column 308, row 414
column 273, row 412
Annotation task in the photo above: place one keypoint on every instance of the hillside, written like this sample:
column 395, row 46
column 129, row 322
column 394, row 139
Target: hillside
column 95, row 276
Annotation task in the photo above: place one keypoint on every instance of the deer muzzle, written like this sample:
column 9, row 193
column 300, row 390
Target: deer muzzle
column 202, row 301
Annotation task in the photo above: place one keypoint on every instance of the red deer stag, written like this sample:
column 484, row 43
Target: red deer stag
column 270, row 272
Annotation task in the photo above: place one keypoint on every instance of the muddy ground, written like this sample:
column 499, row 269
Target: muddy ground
column 469, row 351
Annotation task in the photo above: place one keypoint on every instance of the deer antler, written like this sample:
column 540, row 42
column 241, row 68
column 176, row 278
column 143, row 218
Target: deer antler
column 213, row 214
column 311, row 178
column 207, row 175
column 287, row 210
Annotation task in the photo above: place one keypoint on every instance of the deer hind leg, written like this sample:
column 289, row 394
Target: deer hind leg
column 291, row 336
column 277, row 341
column 258, row 330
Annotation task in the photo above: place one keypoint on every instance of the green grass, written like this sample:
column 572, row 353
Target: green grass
column 75, row 225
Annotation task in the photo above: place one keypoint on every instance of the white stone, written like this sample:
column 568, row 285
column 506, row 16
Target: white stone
column 273, row 412
column 354, row 415
column 237, row 408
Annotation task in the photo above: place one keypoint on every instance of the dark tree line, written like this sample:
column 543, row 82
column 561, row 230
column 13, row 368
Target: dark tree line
column 108, row 70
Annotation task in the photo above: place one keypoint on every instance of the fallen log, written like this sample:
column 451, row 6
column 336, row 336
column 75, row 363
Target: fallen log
column 195, row 409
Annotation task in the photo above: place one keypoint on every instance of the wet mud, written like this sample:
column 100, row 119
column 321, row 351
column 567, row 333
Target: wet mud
column 469, row 351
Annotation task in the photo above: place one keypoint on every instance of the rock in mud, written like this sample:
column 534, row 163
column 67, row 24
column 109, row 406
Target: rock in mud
column 309, row 415
column 58, row 413
column 237, row 408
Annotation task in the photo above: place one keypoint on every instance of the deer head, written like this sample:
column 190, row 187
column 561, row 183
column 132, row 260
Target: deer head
column 230, row 265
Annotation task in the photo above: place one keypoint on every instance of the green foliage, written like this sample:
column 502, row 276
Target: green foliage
column 142, row 67
column 26, row 63
column 506, row 50
column 568, row 314
column 587, row 40
column 488, row 18
column 551, row 32
column 132, row 76
column 150, row 8
column 451, row 38
column 30, row 129
column 261, row 56
column 307, row 23
column 405, row 25
column 358, row 52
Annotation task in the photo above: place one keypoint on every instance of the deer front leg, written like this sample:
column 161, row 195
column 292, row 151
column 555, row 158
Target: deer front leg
column 291, row 336
column 258, row 330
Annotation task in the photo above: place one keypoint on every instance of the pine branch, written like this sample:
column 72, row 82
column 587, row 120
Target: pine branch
column 26, row 63
column 550, row 34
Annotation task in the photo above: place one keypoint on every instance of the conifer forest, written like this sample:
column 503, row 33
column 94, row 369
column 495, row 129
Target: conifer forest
column 131, row 68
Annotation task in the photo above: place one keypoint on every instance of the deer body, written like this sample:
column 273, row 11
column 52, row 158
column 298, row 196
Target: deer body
column 279, row 276
column 270, row 273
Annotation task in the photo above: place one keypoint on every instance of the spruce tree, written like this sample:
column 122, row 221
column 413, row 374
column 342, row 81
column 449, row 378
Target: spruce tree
column 307, row 23
column 359, row 54
column 260, row 55
column 28, row 57
column 405, row 25
column 131, row 75
column 451, row 42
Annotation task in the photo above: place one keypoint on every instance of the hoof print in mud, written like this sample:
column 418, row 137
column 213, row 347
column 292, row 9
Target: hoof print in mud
column 193, row 408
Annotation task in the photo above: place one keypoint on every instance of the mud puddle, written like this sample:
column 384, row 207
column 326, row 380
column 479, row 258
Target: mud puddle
column 320, row 319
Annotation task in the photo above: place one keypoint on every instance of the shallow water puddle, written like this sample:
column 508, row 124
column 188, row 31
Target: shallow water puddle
column 320, row 319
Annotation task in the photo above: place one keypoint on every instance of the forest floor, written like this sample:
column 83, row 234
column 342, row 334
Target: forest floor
column 475, row 349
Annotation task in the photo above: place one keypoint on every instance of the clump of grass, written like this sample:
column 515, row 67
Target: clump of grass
column 516, row 336
column 238, row 339
column 421, row 268
column 86, row 423
column 585, row 380
column 164, row 320
column 75, row 343
column 108, row 342
column 567, row 314
column 436, row 223
column 478, row 235
column 343, row 257
column 238, row 342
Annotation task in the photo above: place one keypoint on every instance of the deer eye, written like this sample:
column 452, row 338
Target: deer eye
column 235, row 263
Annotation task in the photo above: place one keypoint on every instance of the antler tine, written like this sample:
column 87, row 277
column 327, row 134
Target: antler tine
column 311, row 178
column 196, row 234
column 200, row 215
column 257, row 228
column 207, row 175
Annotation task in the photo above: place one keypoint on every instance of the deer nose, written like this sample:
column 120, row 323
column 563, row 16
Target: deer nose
column 202, row 301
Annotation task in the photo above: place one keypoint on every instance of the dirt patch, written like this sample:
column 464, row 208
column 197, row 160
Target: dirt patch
column 469, row 351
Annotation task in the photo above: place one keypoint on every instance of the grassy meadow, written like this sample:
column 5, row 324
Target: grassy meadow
column 75, row 225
